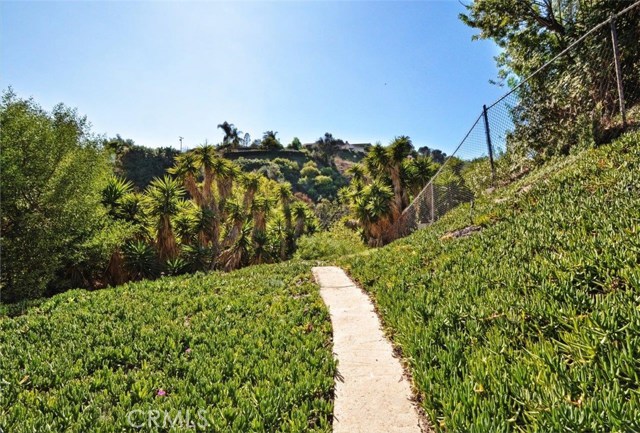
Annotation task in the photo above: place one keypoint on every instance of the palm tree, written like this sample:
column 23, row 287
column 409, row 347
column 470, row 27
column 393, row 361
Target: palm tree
column 231, row 134
column 187, row 169
column 270, row 141
column 163, row 199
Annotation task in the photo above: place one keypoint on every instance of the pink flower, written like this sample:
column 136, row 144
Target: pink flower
column 188, row 350
column 161, row 392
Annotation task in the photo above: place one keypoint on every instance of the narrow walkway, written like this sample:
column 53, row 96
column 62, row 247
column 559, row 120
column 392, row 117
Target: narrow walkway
column 372, row 393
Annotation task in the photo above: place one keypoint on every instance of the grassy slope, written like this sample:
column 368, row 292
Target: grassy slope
column 532, row 324
column 259, row 357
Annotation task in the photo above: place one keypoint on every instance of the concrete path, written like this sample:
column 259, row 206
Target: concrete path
column 372, row 393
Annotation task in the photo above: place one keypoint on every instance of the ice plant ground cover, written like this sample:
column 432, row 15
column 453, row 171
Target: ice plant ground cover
column 533, row 323
column 245, row 351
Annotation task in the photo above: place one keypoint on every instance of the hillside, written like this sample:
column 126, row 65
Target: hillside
column 250, row 349
column 141, row 165
column 533, row 322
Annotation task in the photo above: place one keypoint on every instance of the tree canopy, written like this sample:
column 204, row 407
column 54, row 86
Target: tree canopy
column 53, row 171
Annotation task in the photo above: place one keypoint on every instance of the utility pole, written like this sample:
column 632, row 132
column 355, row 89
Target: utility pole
column 180, row 143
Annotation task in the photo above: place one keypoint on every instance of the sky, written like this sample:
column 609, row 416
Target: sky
column 152, row 71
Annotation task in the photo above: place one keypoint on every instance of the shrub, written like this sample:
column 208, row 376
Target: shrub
column 327, row 245
column 52, row 176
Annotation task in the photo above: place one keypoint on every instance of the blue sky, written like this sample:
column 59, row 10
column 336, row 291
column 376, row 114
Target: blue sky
column 153, row 71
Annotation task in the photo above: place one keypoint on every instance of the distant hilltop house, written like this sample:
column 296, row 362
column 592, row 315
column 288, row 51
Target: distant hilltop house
column 351, row 147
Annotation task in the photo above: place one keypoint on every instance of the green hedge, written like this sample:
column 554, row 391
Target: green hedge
column 533, row 323
column 251, row 349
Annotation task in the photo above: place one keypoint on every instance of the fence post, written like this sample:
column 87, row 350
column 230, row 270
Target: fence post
column 433, row 210
column 489, row 146
column 616, row 58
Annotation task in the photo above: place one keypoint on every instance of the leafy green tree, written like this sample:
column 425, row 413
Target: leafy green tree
column 295, row 144
column 327, row 147
column 574, row 99
column 270, row 141
column 310, row 170
column 53, row 172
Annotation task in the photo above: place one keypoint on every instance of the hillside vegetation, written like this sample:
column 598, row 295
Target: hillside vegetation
column 245, row 351
column 533, row 322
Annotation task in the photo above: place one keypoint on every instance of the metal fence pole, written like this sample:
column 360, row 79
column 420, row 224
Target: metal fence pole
column 433, row 210
column 489, row 146
column 616, row 57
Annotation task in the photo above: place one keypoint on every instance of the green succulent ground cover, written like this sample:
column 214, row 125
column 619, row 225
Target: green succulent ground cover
column 533, row 323
column 250, row 348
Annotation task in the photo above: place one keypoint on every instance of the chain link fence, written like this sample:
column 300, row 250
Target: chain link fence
column 590, row 92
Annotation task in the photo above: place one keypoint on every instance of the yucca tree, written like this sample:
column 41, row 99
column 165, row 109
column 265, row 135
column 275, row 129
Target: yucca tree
column 139, row 260
column 206, row 227
column 207, row 159
column 237, row 254
column 299, row 211
column 185, row 223
column 211, row 164
column 372, row 209
column 226, row 173
column 132, row 208
column 417, row 172
column 398, row 151
column 236, row 219
column 259, row 210
column 163, row 199
column 251, row 182
column 187, row 169
column 377, row 161
column 280, row 236
column 285, row 195
column 113, row 193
